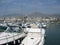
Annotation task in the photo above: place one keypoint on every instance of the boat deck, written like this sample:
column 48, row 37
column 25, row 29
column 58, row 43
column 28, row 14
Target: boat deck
column 35, row 36
column 9, row 38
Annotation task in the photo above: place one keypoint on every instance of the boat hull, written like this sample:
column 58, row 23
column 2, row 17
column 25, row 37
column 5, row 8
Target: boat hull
column 16, row 42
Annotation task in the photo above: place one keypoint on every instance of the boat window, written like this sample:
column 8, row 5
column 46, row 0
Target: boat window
column 28, row 26
column 23, row 27
column 32, row 38
column 2, row 28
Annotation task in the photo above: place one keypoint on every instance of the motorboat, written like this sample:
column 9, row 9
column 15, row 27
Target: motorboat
column 44, row 25
column 11, row 35
column 35, row 36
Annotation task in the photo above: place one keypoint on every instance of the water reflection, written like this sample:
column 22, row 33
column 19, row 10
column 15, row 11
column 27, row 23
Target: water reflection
column 53, row 35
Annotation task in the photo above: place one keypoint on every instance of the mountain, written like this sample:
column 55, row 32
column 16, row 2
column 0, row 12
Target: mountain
column 38, row 14
column 34, row 14
column 55, row 15
column 12, row 15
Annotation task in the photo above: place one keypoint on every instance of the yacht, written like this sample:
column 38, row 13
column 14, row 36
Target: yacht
column 35, row 36
column 44, row 25
column 11, row 35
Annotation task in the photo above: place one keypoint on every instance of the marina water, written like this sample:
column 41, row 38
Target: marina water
column 53, row 34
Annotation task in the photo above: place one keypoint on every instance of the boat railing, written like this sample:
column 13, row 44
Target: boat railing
column 7, row 37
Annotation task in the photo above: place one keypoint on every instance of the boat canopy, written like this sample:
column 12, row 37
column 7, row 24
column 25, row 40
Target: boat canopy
column 2, row 28
column 16, row 29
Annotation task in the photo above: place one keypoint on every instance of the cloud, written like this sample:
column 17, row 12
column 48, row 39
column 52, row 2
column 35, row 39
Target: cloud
column 6, row 1
column 27, row 5
column 56, row 7
column 35, row 4
column 52, row 1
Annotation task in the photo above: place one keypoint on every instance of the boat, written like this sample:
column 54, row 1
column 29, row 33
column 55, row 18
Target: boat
column 11, row 35
column 35, row 36
column 44, row 25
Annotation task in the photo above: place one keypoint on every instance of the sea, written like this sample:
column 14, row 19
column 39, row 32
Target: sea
column 52, row 34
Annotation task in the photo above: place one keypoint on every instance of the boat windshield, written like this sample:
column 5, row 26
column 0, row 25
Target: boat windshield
column 2, row 28
column 14, row 29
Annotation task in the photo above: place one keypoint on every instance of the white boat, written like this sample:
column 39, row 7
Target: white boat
column 11, row 34
column 3, row 24
column 35, row 36
column 44, row 24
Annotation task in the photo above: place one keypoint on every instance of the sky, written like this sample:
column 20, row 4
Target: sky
column 29, row 6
